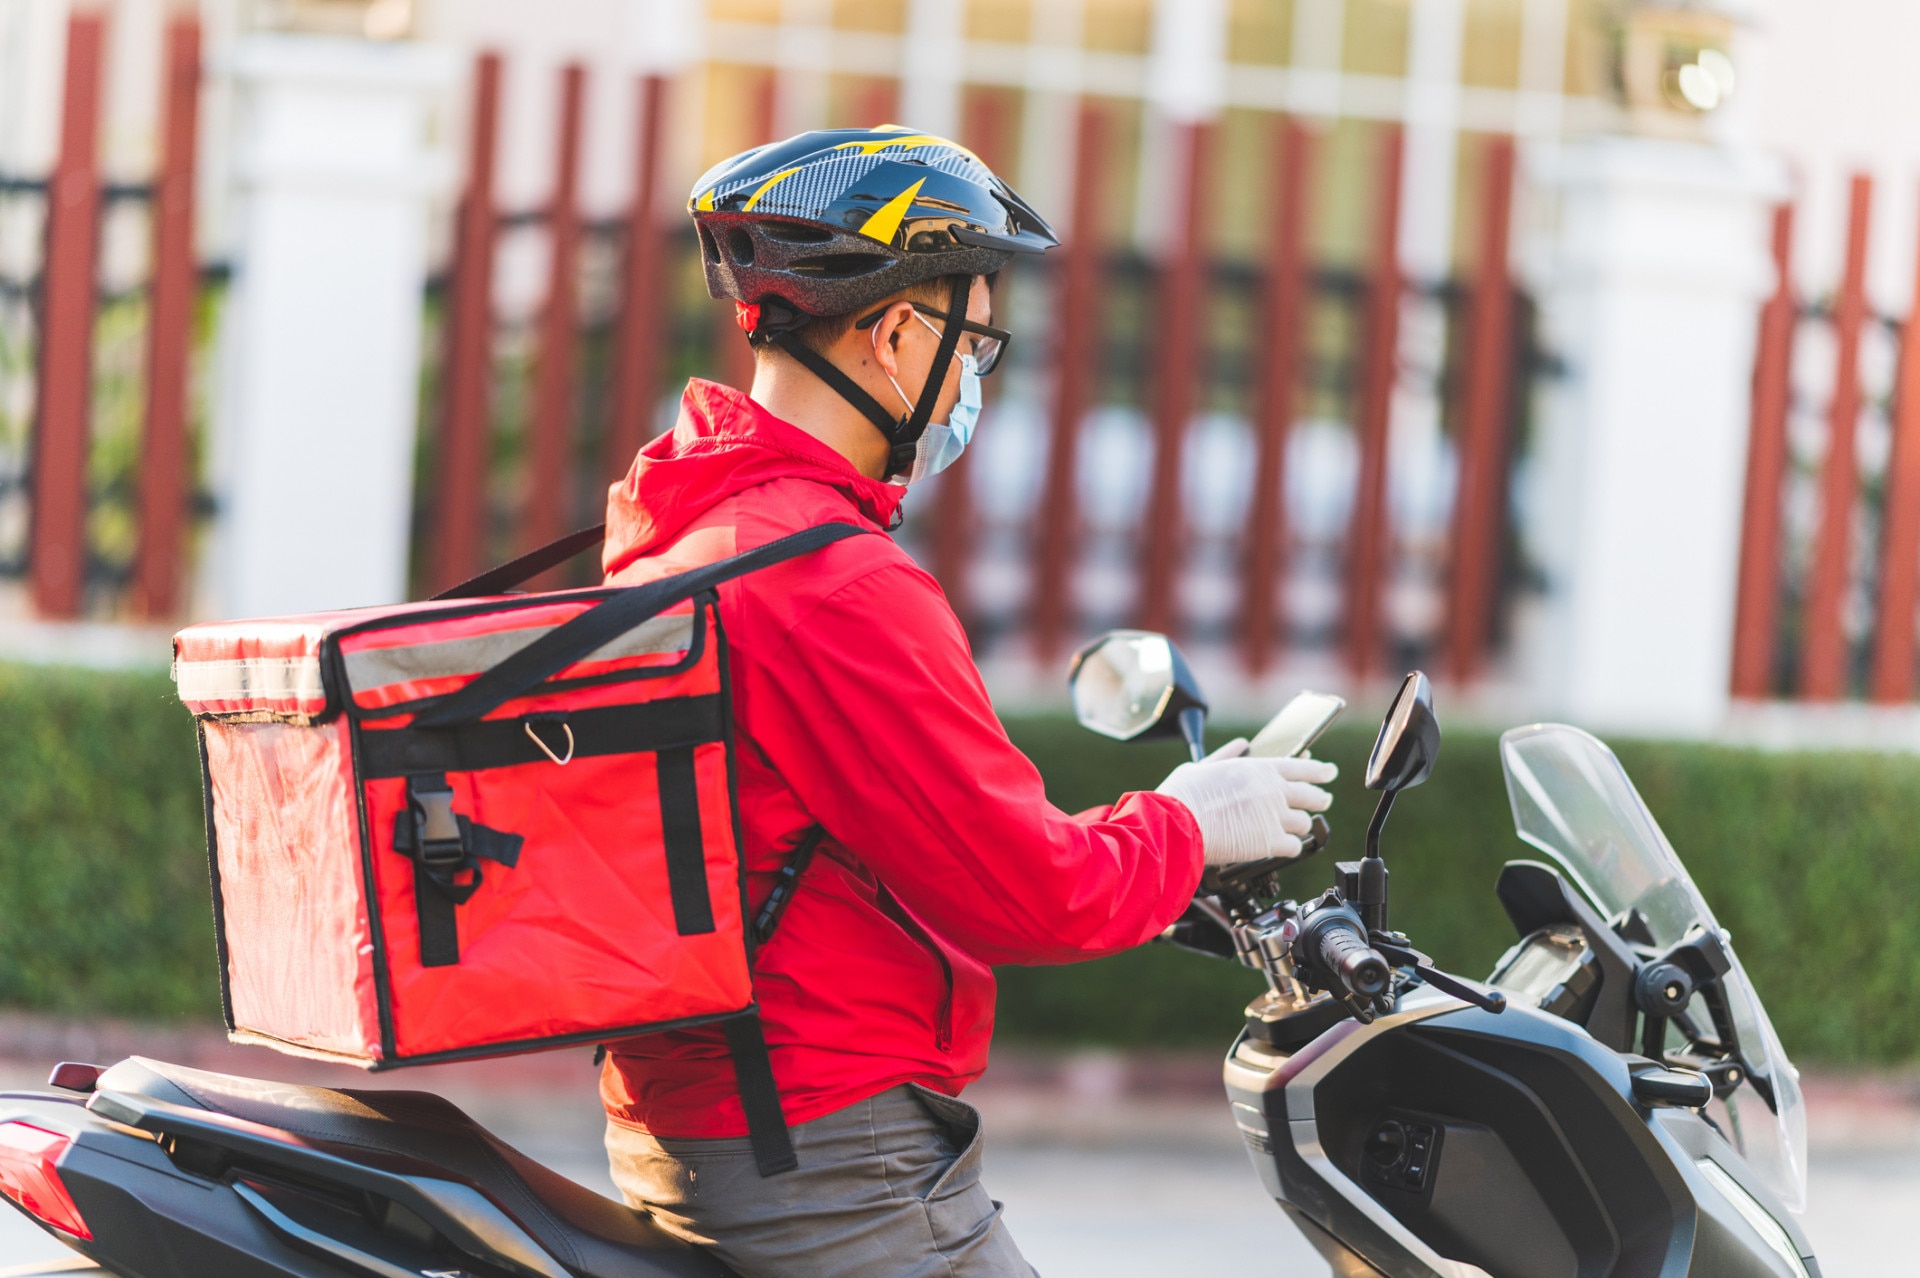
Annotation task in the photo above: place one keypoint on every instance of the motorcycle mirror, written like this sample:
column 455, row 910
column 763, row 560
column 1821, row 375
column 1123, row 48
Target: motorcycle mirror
column 1409, row 741
column 1133, row 685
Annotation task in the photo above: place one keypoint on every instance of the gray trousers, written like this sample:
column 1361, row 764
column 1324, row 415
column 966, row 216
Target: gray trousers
column 886, row 1188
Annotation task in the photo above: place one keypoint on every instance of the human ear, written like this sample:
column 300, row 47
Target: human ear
column 885, row 337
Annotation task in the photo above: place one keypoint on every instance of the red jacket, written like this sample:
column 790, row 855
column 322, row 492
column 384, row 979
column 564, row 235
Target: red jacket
column 858, row 707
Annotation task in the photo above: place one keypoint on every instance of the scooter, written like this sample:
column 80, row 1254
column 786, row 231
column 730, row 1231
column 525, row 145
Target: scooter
column 1612, row 1101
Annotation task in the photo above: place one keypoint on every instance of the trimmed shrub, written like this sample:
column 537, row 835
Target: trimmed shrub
column 1811, row 860
column 104, row 906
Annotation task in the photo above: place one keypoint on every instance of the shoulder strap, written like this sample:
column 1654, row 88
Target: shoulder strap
column 495, row 581
column 783, row 886
column 611, row 618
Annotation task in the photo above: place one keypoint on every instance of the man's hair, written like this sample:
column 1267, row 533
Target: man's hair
column 822, row 333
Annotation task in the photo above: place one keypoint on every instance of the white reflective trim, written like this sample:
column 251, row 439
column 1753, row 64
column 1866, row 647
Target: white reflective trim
column 372, row 668
column 250, row 679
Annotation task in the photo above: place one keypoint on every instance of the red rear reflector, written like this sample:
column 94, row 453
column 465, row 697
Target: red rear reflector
column 28, row 1175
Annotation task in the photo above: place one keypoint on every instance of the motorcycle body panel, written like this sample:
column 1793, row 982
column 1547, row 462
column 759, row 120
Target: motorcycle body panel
column 181, row 1174
column 1537, row 1161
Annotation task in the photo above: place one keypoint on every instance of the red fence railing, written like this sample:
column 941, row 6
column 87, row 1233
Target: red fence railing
column 652, row 327
column 65, row 557
column 1830, row 548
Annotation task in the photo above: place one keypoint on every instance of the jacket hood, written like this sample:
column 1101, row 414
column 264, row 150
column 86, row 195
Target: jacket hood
column 722, row 445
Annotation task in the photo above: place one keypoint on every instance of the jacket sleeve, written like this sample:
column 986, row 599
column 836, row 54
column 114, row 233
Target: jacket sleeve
column 874, row 713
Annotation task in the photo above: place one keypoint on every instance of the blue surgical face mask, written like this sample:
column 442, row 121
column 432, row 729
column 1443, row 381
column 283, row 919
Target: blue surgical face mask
column 941, row 444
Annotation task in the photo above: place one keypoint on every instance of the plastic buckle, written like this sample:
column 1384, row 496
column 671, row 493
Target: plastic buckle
column 438, row 840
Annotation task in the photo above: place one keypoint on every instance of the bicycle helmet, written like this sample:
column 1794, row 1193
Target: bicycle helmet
column 831, row 221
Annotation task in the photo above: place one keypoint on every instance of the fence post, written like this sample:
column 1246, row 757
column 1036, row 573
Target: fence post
column 1824, row 661
column 1277, row 355
column 983, row 125
column 64, row 407
column 1367, row 538
column 1757, row 607
column 550, row 454
column 165, row 483
column 1479, row 516
column 643, row 324
column 1892, row 680
column 732, row 358
column 1182, row 353
column 1077, row 334
column 460, row 488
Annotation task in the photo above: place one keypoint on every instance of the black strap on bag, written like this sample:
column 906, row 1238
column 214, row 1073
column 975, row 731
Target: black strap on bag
column 444, row 844
column 608, row 620
column 496, row 581
column 784, row 885
column 686, row 871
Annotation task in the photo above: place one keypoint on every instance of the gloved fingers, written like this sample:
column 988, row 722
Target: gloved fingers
column 1294, row 821
column 1231, row 750
column 1310, row 798
column 1279, row 845
column 1317, row 771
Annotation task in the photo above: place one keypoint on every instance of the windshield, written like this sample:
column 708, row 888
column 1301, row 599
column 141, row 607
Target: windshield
column 1572, row 800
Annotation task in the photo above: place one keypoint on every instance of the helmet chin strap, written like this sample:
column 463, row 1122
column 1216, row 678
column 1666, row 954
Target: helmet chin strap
column 902, row 433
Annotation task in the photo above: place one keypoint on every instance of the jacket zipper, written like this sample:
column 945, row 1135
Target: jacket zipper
column 943, row 1028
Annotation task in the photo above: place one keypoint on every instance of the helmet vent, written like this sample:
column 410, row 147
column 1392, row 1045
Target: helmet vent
column 708, row 249
column 740, row 247
column 840, row 266
column 796, row 233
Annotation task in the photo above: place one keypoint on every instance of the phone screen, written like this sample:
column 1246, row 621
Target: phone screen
column 1298, row 723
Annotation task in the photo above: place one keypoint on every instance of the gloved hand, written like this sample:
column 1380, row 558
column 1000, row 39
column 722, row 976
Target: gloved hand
column 1250, row 809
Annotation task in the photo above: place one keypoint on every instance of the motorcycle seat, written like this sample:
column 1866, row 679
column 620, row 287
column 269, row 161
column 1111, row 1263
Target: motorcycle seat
column 590, row 1234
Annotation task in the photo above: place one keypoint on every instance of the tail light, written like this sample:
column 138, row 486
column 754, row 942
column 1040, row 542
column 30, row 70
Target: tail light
column 29, row 1175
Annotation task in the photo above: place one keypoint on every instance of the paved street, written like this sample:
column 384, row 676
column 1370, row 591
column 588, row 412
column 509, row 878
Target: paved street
column 1102, row 1180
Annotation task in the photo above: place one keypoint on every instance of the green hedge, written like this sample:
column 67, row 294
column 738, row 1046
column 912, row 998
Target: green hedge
column 103, row 877
column 1812, row 860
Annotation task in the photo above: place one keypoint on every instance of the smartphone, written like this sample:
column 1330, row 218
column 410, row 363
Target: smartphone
column 1292, row 730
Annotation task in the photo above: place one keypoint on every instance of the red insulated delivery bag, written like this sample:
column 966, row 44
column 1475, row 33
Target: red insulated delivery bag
column 481, row 826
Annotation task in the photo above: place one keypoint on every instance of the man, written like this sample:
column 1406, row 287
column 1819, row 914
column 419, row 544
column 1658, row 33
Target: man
column 860, row 263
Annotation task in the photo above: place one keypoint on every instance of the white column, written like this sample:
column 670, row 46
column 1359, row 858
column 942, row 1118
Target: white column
column 1650, row 291
column 315, row 420
column 805, row 38
column 930, row 67
column 1050, row 123
column 1186, row 85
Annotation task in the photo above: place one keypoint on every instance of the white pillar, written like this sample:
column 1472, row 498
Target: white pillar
column 930, row 67
column 1650, row 291
column 335, row 167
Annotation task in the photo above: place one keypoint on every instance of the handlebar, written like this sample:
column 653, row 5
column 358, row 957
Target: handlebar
column 1358, row 966
column 1331, row 950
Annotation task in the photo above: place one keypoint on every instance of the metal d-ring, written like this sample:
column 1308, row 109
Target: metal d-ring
column 546, row 749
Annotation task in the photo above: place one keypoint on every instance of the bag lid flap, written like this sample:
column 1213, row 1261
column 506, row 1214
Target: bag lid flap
column 277, row 666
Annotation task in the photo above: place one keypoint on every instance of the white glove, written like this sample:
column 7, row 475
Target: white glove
column 1250, row 809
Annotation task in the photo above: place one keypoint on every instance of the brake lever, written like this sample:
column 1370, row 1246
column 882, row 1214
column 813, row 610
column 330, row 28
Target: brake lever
column 1401, row 952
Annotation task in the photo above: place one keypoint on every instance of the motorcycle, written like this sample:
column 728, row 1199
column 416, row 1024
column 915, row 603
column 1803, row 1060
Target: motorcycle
column 1612, row 1100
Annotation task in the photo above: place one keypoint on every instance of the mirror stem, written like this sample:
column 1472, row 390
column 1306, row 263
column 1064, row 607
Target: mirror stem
column 1378, row 823
column 1372, row 902
column 1193, row 726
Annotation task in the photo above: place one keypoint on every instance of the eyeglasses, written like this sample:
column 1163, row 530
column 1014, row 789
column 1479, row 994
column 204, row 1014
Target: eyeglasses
column 989, row 343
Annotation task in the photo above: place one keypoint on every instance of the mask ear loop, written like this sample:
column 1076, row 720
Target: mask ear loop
column 916, row 426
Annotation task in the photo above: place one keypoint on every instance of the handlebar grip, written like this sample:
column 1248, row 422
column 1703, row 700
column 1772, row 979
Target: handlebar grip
column 1359, row 966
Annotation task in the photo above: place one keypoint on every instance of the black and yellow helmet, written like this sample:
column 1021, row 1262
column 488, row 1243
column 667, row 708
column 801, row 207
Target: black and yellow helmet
column 830, row 221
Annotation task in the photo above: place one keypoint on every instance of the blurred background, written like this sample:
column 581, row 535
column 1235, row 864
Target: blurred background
column 1560, row 347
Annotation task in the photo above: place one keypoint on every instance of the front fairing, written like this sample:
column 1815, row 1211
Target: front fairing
column 1573, row 801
